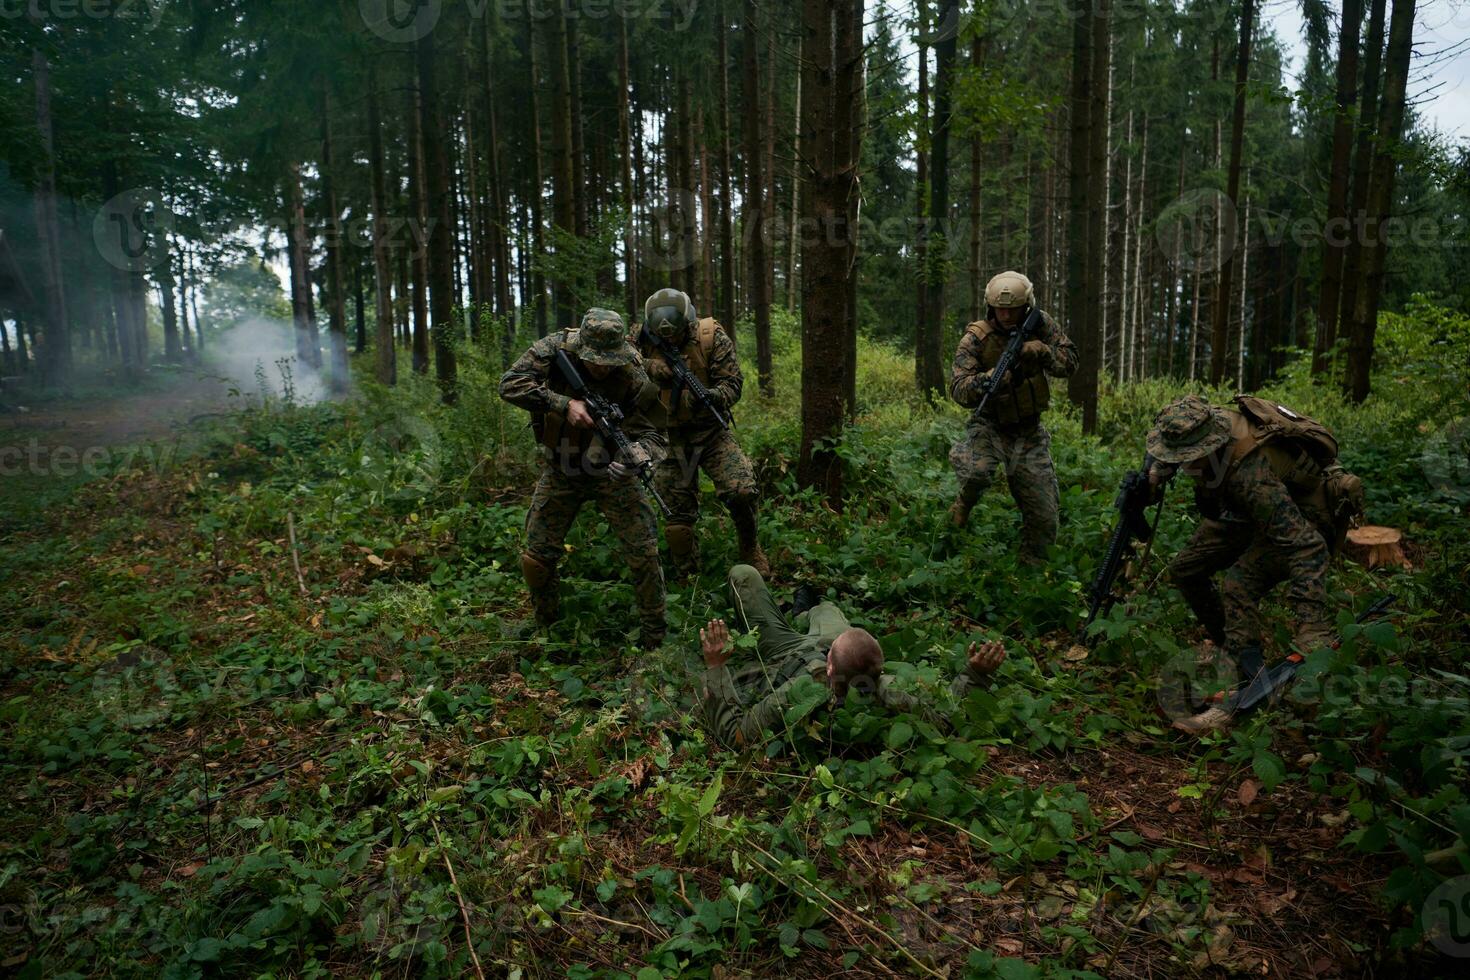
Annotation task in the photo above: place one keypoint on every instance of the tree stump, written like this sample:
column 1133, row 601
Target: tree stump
column 1372, row 546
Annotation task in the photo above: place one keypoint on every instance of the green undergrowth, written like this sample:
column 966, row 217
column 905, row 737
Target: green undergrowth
column 219, row 764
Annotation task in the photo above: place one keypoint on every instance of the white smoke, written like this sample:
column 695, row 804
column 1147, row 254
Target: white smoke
column 258, row 357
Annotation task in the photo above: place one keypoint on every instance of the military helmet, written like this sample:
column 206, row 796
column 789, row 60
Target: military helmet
column 668, row 313
column 1008, row 290
column 602, row 339
column 1188, row 429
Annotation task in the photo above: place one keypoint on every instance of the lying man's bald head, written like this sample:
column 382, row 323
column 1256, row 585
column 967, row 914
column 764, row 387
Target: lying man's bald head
column 854, row 654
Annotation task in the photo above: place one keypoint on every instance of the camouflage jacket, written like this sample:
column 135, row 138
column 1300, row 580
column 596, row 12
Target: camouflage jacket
column 721, row 374
column 1251, row 492
column 975, row 357
column 533, row 383
column 740, row 707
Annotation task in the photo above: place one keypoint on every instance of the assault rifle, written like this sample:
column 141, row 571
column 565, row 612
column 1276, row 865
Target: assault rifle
column 1133, row 525
column 1008, row 358
column 607, row 417
column 685, row 378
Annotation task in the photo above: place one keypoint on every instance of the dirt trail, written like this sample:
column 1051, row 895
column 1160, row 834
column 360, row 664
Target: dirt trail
column 68, row 438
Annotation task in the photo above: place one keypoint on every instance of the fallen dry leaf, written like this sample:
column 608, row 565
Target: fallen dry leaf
column 1247, row 793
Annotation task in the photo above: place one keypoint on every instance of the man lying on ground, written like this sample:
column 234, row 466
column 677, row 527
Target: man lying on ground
column 815, row 669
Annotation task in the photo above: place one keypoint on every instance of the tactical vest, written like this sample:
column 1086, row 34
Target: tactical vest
column 1302, row 453
column 1027, row 394
column 551, row 428
column 697, row 351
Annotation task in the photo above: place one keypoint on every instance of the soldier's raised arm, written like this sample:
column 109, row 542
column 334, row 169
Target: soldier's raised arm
column 967, row 376
column 1063, row 351
column 524, row 384
column 725, row 377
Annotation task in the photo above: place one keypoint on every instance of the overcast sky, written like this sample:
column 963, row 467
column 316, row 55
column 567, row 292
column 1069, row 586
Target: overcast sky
column 1440, row 79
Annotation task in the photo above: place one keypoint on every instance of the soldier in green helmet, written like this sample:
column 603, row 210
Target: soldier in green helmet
column 699, row 433
column 1008, row 431
column 1272, row 502
column 577, row 466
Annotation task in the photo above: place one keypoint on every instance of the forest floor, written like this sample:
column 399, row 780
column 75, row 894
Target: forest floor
column 258, row 714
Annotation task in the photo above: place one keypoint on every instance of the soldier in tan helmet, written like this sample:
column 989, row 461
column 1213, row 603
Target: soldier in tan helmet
column 1008, row 431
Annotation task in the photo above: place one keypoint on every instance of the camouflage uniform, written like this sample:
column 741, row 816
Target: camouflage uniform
column 788, row 679
column 1009, row 432
column 1255, row 527
column 575, row 465
column 697, row 440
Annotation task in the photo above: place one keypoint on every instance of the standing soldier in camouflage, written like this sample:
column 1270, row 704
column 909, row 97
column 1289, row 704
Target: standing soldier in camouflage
column 1009, row 431
column 793, row 674
column 699, row 436
column 578, row 467
column 1272, row 501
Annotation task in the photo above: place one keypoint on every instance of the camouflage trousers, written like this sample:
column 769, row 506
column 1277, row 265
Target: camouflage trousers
column 1231, row 614
column 625, row 505
column 1026, row 455
column 714, row 451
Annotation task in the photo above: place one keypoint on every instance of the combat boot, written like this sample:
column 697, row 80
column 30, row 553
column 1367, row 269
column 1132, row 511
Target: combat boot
column 542, row 585
column 742, row 512
column 651, row 637
column 959, row 512
column 683, row 549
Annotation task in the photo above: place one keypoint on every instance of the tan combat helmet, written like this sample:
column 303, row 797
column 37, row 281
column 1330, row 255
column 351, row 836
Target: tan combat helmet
column 1009, row 290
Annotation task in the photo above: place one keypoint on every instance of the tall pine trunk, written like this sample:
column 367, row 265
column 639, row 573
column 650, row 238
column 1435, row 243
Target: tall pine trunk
column 1082, row 385
column 55, row 355
column 419, row 234
column 441, row 246
column 754, row 232
column 336, row 305
column 939, row 230
column 1220, row 328
column 308, row 344
column 385, row 361
column 926, row 339
column 832, row 41
column 1380, row 201
column 1334, row 244
column 1362, row 168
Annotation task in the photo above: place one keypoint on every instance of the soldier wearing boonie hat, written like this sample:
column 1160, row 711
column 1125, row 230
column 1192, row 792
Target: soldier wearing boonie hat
column 576, row 463
column 1260, row 524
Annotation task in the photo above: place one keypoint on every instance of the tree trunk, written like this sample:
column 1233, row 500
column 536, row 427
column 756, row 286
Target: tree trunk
column 1334, row 242
column 1363, row 158
column 754, row 231
column 1221, row 326
column 336, row 305
column 419, row 235
column 726, row 306
column 832, row 41
column 441, row 247
column 793, row 234
column 1380, row 200
column 1082, row 385
column 173, row 351
column 926, row 339
column 977, row 305
column 580, row 185
column 54, row 358
column 308, row 344
column 538, row 225
column 1090, row 352
column 563, row 191
column 939, row 227
column 385, row 357
column 625, row 156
